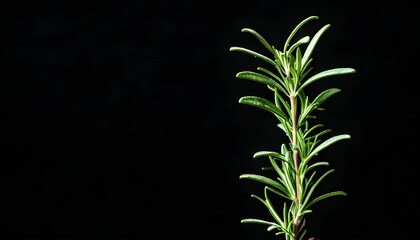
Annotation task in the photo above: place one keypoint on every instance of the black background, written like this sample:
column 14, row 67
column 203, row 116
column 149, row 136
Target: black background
column 120, row 119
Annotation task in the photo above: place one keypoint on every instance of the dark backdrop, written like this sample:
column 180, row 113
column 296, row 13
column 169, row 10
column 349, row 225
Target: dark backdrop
column 120, row 119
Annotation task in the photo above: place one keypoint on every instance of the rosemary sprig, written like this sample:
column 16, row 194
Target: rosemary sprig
column 294, row 164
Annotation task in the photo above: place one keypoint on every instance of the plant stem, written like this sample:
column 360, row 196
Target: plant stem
column 293, row 104
column 294, row 144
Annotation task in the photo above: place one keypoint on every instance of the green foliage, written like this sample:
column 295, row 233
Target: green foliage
column 295, row 170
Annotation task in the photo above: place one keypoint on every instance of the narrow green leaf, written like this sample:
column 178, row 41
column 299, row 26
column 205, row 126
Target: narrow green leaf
column 312, row 129
column 285, row 104
column 292, row 34
column 263, row 104
column 298, row 61
column 268, row 154
column 301, row 143
column 289, row 85
column 286, row 129
column 258, row 221
column 259, row 199
column 262, row 179
column 260, row 78
column 324, row 196
column 271, row 228
column 286, row 195
column 294, row 77
column 306, row 211
column 327, row 73
column 305, row 113
column 327, row 143
column 307, row 184
column 298, row 43
column 311, row 45
column 308, row 196
column 317, row 164
column 276, row 167
column 304, row 100
column 254, row 54
column 285, row 216
column 304, row 73
column 271, row 208
column 259, row 37
column 269, row 73
column 323, row 96
column 323, row 132
column 302, row 235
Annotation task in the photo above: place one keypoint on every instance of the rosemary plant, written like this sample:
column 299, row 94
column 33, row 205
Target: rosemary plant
column 294, row 164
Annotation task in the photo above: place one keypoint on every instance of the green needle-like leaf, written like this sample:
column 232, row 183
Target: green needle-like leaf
column 327, row 143
column 268, row 154
column 268, row 72
column 322, row 97
column 298, row 43
column 259, row 37
column 263, row 104
column 264, row 180
column 285, row 195
column 303, row 235
column 257, row 77
column 254, row 54
column 259, row 221
column 311, row 130
column 271, row 208
column 311, row 191
column 324, row 196
column 305, row 113
column 311, row 46
column 292, row 34
column 317, row 164
column 327, row 73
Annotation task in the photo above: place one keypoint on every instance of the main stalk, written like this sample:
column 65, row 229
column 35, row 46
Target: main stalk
column 297, row 220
